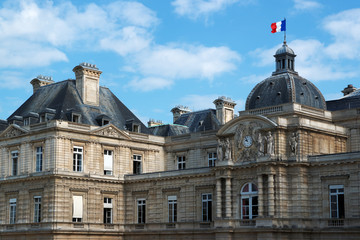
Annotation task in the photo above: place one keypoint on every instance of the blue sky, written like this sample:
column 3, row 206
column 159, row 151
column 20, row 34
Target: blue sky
column 155, row 55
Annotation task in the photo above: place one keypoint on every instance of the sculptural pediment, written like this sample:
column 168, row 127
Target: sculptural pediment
column 111, row 131
column 251, row 137
column 13, row 130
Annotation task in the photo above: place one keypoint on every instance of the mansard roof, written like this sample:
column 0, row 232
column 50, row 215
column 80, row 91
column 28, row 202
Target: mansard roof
column 190, row 122
column 352, row 100
column 60, row 100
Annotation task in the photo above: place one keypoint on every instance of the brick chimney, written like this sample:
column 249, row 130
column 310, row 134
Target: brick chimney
column 87, row 82
column 40, row 81
column 224, row 109
column 349, row 89
column 178, row 111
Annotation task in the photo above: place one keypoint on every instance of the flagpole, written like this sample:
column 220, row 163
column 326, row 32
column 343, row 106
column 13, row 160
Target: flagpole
column 285, row 32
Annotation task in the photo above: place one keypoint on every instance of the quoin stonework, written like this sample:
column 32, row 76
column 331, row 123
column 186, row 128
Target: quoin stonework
column 76, row 163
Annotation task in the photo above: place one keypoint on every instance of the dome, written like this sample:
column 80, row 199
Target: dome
column 284, row 49
column 285, row 86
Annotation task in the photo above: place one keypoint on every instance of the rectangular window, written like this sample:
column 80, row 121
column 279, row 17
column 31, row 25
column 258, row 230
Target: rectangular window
column 14, row 162
column 78, row 159
column 141, row 210
column 137, row 164
column 207, row 207
column 12, row 218
column 181, row 163
column 212, row 159
column 37, row 209
column 39, row 159
column 43, row 117
column 172, row 206
column 337, row 203
column 26, row 121
column 77, row 209
column 75, row 117
column 108, row 162
column 108, row 217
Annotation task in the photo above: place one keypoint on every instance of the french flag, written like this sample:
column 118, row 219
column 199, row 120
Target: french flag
column 278, row 26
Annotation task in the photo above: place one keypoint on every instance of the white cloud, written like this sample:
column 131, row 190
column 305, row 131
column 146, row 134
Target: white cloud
column 306, row 5
column 345, row 29
column 312, row 62
column 198, row 102
column 46, row 29
column 128, row 40
column 149, row 84
column 196, row 8
column 178, row 62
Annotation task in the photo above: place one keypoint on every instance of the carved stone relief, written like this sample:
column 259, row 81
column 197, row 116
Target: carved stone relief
column 294, row 143
column 252, row 142
column 13, row 132
column 224, row 150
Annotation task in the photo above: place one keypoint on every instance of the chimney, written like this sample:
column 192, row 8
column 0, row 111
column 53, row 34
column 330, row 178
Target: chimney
column 87, row 82
column 40, row 81
column 224, row 109
column 152, row 123
column 349, row 89
column 178, row 111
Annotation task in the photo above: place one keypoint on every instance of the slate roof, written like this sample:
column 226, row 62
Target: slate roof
column 191, row 122
column 62, row 98
column 3, row 125
column 349, row 101
column 285, row 88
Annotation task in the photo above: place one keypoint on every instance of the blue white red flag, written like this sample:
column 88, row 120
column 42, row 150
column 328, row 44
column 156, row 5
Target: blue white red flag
column 278, row 26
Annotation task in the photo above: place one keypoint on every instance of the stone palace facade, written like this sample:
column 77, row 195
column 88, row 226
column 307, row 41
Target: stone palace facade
column 77, row 164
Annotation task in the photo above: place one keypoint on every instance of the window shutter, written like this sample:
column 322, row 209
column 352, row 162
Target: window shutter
column 108, row 162
column 77, row 207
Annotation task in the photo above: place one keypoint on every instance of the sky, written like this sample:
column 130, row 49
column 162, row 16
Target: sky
column 156, row 55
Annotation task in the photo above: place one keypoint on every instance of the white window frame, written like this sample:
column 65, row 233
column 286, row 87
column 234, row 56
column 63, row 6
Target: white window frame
column 251, row 196
column 78, row 159
column 26, row 121
column 334, row 192
column 141, row 211
column 172, row 209
column 108, row 162
column 14, row 163
column 206, row 207
column 212, row 156
column 12, row 210
column 76, row 118
column 39, row 158
column 137, row 164
column 181, row 162
column 108, row 211
column 37, row 209
column 77, row 215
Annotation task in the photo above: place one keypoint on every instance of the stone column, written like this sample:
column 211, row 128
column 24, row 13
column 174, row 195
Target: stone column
column 260, row 196
column 218, row 198
column 271, row 197
column 228, row 198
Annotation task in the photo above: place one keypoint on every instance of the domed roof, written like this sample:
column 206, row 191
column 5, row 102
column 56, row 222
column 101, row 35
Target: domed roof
column 284, row 49
column 285, row 86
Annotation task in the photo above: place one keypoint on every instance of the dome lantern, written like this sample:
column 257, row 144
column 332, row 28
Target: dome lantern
column 284, row 60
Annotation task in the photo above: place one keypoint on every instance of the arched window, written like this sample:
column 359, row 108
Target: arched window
column 249, row 201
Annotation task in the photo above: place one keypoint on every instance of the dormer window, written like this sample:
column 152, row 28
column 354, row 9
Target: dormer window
column 43, row 117
column 75, row 117
column 26, row 121
column 136, row 128
column 103, row 120
column 132, row 126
